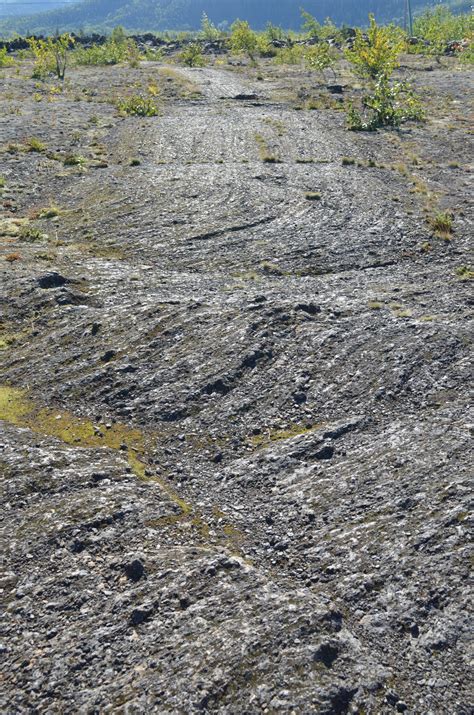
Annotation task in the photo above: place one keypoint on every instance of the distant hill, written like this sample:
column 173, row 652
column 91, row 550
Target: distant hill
column 10, row 8
column 155, row 15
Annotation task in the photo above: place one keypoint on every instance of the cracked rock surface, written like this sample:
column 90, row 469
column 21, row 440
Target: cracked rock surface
column 235, row 438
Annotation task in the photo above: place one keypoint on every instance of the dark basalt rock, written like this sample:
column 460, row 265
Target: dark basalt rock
column 52, row 280
column 134, row 570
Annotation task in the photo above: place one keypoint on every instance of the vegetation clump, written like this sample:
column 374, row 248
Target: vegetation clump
column 243, row 40
column 375, row 53
column 465, row 273
column 74, row 160
column 374, row 58
column 137, row 106
column 436, row 28
column 5, row 59
column 30, row 234
column 117, row 49
column 317, row 31
column 192, row 56
column 320, row 58
column 442, row 224
column 49, row 212
column 388, row 105
column 51, row 55
column 209, row 31
column 34, row 144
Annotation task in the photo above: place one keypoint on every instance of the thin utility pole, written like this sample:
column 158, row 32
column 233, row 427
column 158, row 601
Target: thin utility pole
column 410, row 17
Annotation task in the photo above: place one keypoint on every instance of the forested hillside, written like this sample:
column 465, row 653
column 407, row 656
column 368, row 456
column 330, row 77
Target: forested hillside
column 186, row 14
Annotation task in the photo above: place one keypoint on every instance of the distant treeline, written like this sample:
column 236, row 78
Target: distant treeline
column 160, row 15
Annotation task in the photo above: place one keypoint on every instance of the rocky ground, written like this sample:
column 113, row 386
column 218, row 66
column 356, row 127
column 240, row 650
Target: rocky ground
column 235, row 447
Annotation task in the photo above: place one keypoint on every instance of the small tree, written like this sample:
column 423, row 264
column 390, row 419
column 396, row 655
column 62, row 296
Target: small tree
column 274, row 33
column 118, row 36
column 311, row 27
column 192, row 56
column 243, row 40
column 51, row 55
column 375, row 54
column 5, row 60
column 389, row 105
column 133, row 54
column 208, row 30
column 374, row 58
column 439, row 26
column 320, row 57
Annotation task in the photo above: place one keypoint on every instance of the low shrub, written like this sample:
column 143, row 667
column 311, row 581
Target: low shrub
column 74, row 160
column 34, row 144
column 291, row 55
column 116, row 50
column 440, row 26
column 137, row 106
column 51, row 55
column 442, row 224
column 320, row 57
column 209, row 31
column 389, row 105
column 192, row 56
column 5, row 59
column 30, row 234
column 49, row 212
column 243, row 40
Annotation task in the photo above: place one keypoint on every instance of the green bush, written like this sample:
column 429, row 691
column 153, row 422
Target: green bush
column 440, row 26
column 137, row 106
column 5, row 59
column 34, row 144
column 274, row 33
column 192, row 56
column 209, row 31
column 118, row 48
column 442, row 224
column 51, row 55
column 118, row 36
column 390, row 104
column 74, row 160
column 320, row 57
column 375, row 54
column 291, row 55
column 153, row 54
column 466, row 56
column 313, row 29
column 265, row 46
column 387, row 103
column 243, row 40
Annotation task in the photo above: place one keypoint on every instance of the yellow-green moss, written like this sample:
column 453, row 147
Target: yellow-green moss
column 406, row 313
column 14, row 407
column 139, row 469
column 18, row 409
column 280, row 435
column 6, row 341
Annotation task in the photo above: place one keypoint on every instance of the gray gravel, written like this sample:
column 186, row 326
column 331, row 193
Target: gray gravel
column 286, row 530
